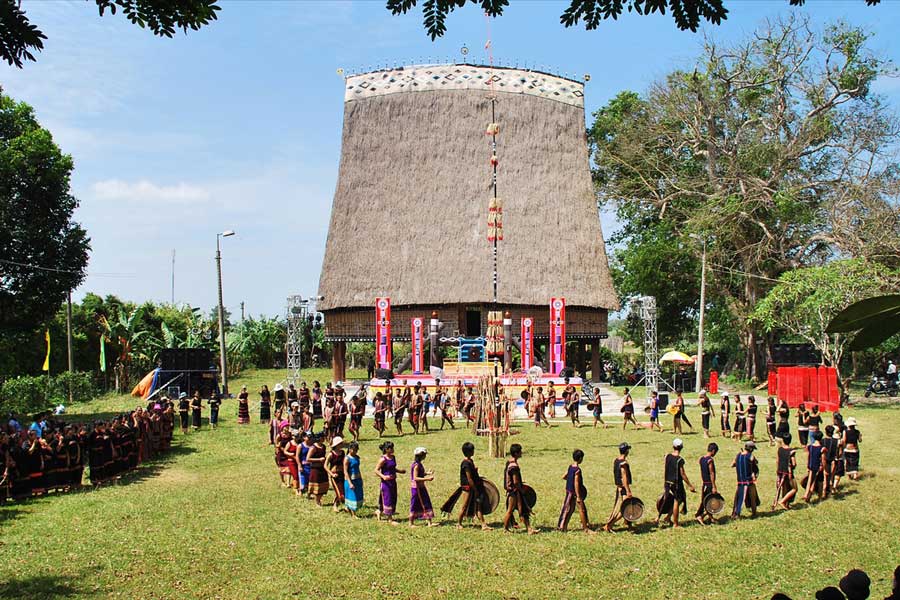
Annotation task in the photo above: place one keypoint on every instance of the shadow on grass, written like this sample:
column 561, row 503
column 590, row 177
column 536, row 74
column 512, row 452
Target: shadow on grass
column 8, row 514
column 43, row 586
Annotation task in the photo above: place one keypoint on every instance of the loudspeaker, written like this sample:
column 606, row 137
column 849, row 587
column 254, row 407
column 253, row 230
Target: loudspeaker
column 567, row 372
column 384, row 374
column 795, row 354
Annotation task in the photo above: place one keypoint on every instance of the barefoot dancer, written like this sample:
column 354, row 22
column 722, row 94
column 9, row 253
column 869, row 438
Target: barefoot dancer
column 725, row 415
column 335, row 466
column 353, row 483
column 708, row 477
column 852, row 439
column 419, row 499
column 786, row 488
column 675, row 496
column 628, row 411
column 515, row 500
column 746, row 468
column 706, row 411
column 470, row 491
column 387, row 470
column 576, row 492
column 596, row 407
column 622, row 479
column 318, row 477
column 379, row 410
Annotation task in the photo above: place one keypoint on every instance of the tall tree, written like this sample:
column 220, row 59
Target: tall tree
column 760, row 150
column 687, row 14
column 43, row 252
column 804, row 301
column 19, row 38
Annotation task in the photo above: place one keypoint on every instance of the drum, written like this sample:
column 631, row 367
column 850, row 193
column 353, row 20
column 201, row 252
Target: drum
column 491, row 497
column 632, row 509
column 714, row 504
column 672, row 409
column 529, row 495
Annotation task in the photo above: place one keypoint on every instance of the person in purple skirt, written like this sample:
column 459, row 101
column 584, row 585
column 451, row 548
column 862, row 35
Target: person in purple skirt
column 419, row 501
column 387, row 470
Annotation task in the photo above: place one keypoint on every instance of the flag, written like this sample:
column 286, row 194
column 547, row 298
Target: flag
column 102, row 354
column 46, row 366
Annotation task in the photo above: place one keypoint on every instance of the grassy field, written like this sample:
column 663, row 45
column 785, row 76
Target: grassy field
column 211, row 521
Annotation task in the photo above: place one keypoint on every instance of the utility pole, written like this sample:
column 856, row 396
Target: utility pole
column 69, row 340
column 223, row 362
column 173, row 276
column 242, row 312
column 702, row 310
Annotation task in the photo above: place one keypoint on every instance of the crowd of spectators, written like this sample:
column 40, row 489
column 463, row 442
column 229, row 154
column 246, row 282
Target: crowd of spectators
column 51, row 453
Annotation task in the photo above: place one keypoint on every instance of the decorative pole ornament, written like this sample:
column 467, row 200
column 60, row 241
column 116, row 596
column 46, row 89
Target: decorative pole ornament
column 495, row 206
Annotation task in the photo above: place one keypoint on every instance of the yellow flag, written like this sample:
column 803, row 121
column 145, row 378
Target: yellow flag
column 46, row 366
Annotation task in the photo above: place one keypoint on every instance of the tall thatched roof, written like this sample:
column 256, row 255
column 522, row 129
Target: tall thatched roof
column 409, row 218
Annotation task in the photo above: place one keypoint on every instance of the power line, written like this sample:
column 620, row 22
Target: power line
column 55, row 270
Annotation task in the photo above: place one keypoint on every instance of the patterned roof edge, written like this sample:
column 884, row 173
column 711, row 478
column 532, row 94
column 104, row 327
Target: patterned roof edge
column 426, row 78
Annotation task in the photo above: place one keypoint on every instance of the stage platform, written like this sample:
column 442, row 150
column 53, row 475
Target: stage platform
column 469, row 374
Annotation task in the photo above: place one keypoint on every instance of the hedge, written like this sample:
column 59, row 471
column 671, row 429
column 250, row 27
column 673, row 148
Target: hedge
column 27, row 394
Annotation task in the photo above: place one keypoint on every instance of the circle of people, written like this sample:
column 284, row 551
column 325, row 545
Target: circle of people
column 312, row 470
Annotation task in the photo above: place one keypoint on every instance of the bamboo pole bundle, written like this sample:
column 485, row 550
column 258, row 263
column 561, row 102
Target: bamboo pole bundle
column 492, row 415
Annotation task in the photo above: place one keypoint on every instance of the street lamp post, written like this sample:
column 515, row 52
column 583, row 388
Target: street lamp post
column 702, row 310
column 223, row 361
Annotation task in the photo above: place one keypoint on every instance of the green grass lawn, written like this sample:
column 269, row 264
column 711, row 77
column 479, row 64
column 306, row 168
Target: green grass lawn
column 211, row 521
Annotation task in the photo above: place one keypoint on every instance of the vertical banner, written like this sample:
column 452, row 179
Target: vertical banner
column 527, row 343
column 383, row 332
column 418, row 346
column 557, row 335
column 46, row 366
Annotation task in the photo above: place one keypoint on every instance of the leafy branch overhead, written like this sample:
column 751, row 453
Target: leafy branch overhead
column 688, row 14
column 19, row 38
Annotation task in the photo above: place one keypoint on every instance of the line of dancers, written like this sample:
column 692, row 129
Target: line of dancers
column 312, row 470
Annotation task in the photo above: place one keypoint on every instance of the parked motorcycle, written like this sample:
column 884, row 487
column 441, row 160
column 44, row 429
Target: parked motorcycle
column 881, row 386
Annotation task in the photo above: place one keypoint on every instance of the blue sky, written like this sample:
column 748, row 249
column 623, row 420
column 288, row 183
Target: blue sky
column 238, row 126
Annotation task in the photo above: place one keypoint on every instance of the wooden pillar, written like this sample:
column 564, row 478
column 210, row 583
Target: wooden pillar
column 339, row 361
column 581, row 365
column 595, row 361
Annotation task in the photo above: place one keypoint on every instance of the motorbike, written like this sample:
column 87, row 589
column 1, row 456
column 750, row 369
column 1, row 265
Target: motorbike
column 881, row 386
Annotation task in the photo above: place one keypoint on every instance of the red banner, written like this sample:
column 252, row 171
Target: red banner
column 418, row 346
column 557, row 335
column 383, row 332
column 527, row 343
column 713, row 382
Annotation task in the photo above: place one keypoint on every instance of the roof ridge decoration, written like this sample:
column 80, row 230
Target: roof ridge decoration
column 429, row 78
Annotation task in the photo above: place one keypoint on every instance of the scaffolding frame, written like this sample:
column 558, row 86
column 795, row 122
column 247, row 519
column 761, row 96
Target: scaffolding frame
column 297, row 312
column 651, row 349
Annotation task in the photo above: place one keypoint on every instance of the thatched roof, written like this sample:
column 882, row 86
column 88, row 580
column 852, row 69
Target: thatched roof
column 409, row 218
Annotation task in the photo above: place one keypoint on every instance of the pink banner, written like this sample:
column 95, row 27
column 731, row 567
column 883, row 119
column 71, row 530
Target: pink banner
column 557, row 335
column 527, row 343
column 418, row 346
column 383, row 332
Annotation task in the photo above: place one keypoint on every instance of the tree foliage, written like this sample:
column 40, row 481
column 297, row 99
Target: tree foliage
column 768, row 149
column 43, row 252
column 687, row 14
column 804, row 301
column 19, row 38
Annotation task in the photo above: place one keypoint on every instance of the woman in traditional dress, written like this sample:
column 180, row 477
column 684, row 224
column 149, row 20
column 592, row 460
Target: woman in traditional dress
column 398, row 408
column 280, row 397
column 725, row 415
column 265, row 405
column 318, row 476
column 302, row 453
column 335, row 467
column 353, row 483
column 706, row 411
column 751, row 417
column 183, row 407
column 284, row 459
column 419, row 500
column 852, row 439
column 317, row 400
column 770, row 420
column 215, row 401
column 740, row 423
column 274, row 427
column 196, row 408
column 541, row 406
column 243, row 407
column 784, row 416
column 387, row 470
column 803, row 424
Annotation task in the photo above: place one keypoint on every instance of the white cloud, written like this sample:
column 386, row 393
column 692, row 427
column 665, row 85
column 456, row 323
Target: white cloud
column 144, row 191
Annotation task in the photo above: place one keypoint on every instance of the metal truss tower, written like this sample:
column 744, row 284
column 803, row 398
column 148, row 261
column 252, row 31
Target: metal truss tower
column 297, row 311
column 651, row 350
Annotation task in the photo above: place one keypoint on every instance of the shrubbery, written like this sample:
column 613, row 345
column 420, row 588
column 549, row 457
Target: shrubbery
column 27, row 394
